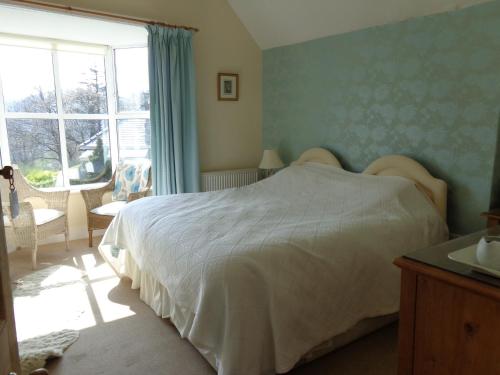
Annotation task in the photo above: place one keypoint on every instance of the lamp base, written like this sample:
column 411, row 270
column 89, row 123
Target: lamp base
column 265, row 173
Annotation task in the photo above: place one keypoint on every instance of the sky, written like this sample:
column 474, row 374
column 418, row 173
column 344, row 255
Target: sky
column 22, row 70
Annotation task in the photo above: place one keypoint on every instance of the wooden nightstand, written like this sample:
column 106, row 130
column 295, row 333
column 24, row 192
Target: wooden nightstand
column 492, row 217
column 449, row 316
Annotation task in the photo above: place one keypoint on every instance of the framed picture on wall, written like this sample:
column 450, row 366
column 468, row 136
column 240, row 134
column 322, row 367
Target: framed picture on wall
column 227, row 86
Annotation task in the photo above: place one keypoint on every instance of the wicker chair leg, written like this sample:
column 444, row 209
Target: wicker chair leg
column 90, row 237
column 33, row 256
column 66, row 239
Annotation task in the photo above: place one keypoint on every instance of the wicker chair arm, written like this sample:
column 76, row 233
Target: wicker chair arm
column 56, row 199
column 141, row 194
column 30, row 190
column 93, row 197
column 6, row 209
column 6, row 217
column 26, row 217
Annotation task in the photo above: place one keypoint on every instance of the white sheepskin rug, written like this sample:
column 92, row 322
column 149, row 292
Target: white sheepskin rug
column 34, row 352
column 50, row 307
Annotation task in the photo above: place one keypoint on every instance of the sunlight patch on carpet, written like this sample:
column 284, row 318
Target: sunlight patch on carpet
column 52, row 304
column 51, row 300
column 95, row 269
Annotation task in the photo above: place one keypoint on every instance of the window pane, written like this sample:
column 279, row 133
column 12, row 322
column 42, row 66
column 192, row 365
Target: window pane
column 134, row 138
column 132, row 79
column 89, row 156
column 34, row 147
column 83, row 82
column 27, row 79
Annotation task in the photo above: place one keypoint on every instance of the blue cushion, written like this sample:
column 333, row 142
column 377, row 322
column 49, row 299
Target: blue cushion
column 131, row 177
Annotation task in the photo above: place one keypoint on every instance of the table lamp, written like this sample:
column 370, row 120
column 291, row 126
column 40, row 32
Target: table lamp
column 270, row 162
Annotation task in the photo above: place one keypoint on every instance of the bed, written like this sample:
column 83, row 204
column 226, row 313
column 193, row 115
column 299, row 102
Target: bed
column 267, row 276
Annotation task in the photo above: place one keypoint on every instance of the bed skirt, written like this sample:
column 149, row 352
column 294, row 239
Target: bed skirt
column 155, row 295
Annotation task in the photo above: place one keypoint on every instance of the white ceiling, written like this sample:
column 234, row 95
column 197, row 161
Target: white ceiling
column 274, row 23
column 23, row 21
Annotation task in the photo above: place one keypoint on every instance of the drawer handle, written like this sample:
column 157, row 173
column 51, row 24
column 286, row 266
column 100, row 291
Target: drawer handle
column 471, row 329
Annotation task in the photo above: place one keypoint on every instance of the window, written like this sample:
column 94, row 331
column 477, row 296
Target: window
column 134, row 130
column 83, row 83
column 133, row 94
column 27, row 86
column 35, row 147
column 67, row 115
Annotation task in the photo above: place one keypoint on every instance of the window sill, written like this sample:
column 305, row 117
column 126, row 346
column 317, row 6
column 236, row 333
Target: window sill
column 76, row 188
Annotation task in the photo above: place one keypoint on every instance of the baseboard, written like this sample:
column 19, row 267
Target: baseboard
column 78, row 233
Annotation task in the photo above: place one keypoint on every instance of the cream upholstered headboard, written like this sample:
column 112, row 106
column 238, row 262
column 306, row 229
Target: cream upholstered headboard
column 398, row 165
column 317, row 155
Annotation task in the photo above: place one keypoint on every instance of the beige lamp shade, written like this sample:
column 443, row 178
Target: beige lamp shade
column 271, row 160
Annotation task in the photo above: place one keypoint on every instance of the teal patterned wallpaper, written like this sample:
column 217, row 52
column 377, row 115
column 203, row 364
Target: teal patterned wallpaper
column 428, row 88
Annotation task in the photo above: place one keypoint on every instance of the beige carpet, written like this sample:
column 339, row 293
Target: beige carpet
column 119, row 334
column 51, row 333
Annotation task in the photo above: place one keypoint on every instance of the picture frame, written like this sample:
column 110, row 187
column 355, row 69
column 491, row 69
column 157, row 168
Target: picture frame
column 228, row 86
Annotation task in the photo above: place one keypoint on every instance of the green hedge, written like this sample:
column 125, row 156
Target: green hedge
column 41, row 178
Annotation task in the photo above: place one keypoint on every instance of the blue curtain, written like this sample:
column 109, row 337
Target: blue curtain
column 174, row 135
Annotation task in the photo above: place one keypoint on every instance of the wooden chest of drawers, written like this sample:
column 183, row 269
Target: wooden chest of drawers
column 449, row 316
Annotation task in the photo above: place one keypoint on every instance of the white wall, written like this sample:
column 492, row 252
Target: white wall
column 281, row 22
column 77, row 217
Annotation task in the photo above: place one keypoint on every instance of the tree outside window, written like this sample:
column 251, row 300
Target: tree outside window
column 56, row 142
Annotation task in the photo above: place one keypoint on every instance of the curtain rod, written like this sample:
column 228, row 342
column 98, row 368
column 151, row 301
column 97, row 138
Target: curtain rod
column 70, row 9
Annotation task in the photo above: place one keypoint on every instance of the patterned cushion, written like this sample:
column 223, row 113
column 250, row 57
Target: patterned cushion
column 131, row 177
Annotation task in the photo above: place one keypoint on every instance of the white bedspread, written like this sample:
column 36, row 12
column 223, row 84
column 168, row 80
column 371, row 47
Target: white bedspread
column 268, row 271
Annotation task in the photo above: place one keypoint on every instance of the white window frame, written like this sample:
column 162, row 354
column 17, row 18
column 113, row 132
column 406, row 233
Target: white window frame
column 111, row 116
column 124, row 115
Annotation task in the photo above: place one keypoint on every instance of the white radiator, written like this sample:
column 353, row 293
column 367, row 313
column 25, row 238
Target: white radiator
column 211, row 181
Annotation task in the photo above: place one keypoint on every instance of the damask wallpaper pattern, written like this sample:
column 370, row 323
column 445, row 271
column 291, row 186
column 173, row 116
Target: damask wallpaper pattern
column 428, row 88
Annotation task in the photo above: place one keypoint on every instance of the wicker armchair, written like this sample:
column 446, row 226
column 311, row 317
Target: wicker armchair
column 100, row 215
column 34, row 224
